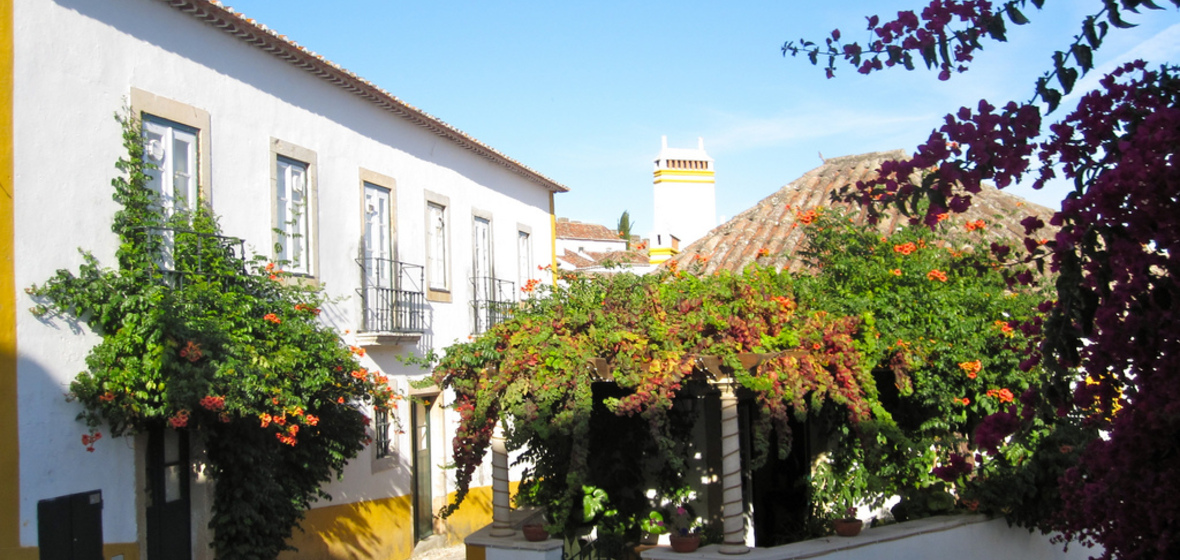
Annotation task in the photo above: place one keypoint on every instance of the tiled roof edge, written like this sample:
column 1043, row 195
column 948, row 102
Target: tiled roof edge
column 253, row 33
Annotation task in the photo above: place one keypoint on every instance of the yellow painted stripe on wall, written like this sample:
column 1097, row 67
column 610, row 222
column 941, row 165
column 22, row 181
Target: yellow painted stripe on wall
column 662, row 172
column 9, row 415
column 710, row 181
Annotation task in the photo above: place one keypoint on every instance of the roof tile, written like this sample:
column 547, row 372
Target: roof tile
column 772, row 222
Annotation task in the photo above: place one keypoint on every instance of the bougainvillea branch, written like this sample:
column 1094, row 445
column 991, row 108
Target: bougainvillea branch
column 1110, row 336
column 947, row 33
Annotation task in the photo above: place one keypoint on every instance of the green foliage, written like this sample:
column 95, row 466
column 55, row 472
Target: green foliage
column 196, row 337
column 535, row 371
column 948, row 355
column 625, row 227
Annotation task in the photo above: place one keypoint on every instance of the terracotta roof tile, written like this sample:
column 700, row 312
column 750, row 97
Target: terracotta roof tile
column 575, row 260
column 579, row 230
column 771, row 223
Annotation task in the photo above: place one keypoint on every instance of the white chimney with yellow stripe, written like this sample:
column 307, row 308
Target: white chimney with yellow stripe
column 685, row 197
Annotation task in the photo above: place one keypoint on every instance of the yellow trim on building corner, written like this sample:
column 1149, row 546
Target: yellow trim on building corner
column 552, row 239
column 9, row 407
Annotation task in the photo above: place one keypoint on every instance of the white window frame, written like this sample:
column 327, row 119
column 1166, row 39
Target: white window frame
column 524, row 255
column 148, row 106
column 439, row 273
column 294, row 208
column 174, row 183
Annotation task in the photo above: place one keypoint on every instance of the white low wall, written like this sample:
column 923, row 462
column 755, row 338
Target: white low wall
column 959, row 537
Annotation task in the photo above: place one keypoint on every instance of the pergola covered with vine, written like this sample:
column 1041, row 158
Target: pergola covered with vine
column 780, row 341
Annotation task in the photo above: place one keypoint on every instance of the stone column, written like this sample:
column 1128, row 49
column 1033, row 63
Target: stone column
column 732, row 512
column 501, row 508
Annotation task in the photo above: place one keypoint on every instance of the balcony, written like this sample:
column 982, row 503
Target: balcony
column 393, row 300
column 181, row 255
column 492, row 302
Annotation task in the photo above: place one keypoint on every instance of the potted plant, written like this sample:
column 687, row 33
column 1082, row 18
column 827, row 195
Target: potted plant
column 686, row 532
column 653, row 526
column 534, row 532
column 535, row 529
column 849, row 525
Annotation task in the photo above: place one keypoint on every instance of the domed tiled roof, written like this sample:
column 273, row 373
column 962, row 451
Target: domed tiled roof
column 771, row 224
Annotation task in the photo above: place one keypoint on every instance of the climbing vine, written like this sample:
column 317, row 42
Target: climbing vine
column 535, row 371
column 198, row 337
column 897, row 347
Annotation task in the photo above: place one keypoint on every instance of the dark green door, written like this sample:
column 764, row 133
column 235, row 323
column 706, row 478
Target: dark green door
column 169, row 535
column 423, row 504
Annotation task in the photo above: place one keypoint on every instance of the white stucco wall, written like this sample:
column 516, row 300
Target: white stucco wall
column 960, row 537
column 76, row 63
column 686, row 210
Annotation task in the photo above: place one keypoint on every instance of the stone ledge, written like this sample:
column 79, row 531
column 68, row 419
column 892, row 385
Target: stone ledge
column 515, row 541
column 826, row 545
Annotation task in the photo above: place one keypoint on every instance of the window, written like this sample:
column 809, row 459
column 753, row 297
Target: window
column 482, row 251
column 383, row 442
column 294, row 217
column 392, row 295
column 524, row 256
column 438, row 248
column 172, row 148
column 176, row 138
column 378, row 240
column 291, row 201
column 491, row 297
column 176, row 143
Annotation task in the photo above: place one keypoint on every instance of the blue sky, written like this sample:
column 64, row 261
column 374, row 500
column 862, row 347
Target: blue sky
column 582, row 91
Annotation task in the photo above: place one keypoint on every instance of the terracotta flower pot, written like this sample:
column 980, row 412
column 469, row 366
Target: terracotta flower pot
column 534, row 532
column 848, row 527
column 685, row 543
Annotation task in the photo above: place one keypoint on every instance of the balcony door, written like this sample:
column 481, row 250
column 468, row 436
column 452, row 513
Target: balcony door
column 378, row 259
column 172, row 148
column 482, row 273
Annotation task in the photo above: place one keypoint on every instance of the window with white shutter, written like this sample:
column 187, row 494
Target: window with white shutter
column 172, row 148
column 436, row 247
column 293, row 188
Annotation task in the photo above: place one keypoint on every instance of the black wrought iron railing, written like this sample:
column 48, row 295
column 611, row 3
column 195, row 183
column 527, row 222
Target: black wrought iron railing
column 180, row 254
column 492, row 302
column 392, row 296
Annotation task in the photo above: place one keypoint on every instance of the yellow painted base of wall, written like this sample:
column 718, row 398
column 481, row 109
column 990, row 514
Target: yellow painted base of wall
column 381, row 529
column 378, row 530
column 130, row 551
column 24, row 553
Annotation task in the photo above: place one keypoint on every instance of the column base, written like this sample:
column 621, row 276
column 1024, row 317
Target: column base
column 501, row 531
column 733, row 549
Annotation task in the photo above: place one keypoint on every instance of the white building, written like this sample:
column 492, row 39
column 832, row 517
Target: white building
column 387, row 197
column 685, row 198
